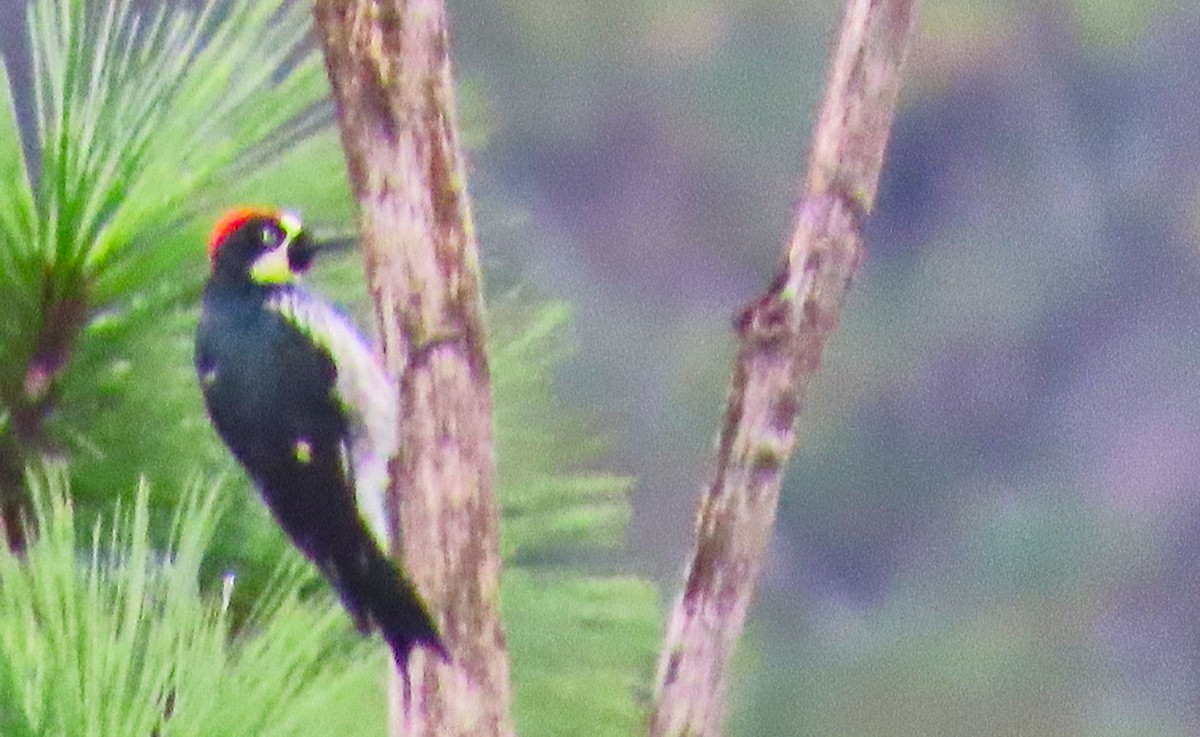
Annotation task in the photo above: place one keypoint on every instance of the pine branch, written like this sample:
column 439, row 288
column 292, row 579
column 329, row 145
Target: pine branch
column 141, row 118
column 389, row 65
column 781, row 336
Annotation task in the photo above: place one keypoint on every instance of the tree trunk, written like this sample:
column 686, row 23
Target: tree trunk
column 781, row 336
column 389, row 65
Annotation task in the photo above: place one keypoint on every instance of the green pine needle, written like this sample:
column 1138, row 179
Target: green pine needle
column 121, row 639
column 145, row 124
column 142, row 121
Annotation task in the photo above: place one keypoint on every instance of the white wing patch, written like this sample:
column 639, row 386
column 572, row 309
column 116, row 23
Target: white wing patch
column 367, row 394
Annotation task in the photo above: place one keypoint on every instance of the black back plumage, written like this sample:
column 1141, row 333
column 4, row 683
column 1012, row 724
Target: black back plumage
column 270, row 391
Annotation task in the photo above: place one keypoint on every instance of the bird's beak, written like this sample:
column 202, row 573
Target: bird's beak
column 306, row 247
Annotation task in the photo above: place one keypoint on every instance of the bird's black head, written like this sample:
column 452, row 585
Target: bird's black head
column 259, row 245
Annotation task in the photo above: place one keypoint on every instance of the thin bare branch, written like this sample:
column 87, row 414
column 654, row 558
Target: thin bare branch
column 781, row 337
column 389, row 65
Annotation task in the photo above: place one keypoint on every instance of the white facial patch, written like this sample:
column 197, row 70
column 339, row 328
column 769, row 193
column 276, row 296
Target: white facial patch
column 290, row 224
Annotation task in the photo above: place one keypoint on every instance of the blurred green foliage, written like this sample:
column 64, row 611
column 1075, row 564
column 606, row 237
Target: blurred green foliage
column 105, row 630
column 989, row 525
column 142, row 137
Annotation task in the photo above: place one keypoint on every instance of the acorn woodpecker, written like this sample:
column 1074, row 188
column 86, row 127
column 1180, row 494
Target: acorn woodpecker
column 307, row 408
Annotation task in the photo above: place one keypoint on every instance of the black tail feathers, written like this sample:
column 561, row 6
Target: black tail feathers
column 379, row 595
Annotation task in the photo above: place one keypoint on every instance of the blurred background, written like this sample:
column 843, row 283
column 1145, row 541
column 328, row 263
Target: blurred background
column 990, row 525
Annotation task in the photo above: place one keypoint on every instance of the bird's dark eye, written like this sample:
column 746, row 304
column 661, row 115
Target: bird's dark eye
column 271, row 236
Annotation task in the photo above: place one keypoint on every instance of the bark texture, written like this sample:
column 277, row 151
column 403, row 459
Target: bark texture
column 781, row 335
column 389, row 65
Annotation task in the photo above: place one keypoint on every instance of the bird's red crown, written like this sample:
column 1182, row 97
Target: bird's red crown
column 233, row 220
